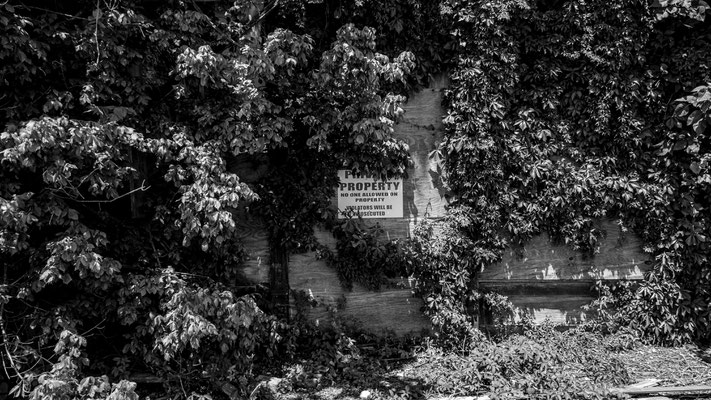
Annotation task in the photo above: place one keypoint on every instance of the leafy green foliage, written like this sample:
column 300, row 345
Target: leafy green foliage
column 343, row 120
column 560, row 115
column 363, row 255
column 63, row 382
column 543, row 363
column 120, row 125
column 121, row 121
column 203, row 332
column 412, row 25
column 444, row 258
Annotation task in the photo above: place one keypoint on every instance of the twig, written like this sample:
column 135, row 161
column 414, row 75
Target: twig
column 263, row 15
column 94, row 327
column 55, row 192
column 193, row 275
column 4, row 368
column 10, row 359
column 155, row 251
column 96, row 32
column 251, row 395
column 141, row 188
column 693, row 389
column 32, row 305
column 180, row 380
column 51, row 11
column 398, row 359
column 87, row 176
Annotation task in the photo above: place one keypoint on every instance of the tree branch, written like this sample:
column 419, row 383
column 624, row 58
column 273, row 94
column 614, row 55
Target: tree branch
column 263, row 15
column 96, row 33
column 50, row 11
column 141, row 188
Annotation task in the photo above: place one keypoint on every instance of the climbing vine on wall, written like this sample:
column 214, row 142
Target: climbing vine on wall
column 364, row 255
column 563, row 113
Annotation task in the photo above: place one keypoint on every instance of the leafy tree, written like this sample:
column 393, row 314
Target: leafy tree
column 120, row 122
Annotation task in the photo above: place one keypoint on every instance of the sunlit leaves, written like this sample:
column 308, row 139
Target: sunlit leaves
column 16, row 221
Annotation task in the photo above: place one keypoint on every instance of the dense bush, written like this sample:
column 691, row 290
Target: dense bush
column 120, row 124
column 364, row 255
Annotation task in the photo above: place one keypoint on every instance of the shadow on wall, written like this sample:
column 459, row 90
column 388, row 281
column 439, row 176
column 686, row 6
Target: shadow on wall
column 317, row 295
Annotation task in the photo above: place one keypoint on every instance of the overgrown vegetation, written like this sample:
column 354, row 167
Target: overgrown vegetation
column 126, row 126
column 562, row 114
column 539, row 364
column 565, row 113
column 121, row 122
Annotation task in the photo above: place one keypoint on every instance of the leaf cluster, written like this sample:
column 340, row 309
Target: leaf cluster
column 561, row 114
column 124, row 129
column 542, row 363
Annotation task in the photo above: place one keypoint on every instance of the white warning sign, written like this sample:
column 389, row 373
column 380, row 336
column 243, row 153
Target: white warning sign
column 370, row 197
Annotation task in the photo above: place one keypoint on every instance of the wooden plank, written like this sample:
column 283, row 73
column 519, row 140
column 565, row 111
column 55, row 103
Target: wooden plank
column 325, row 237
column 520, row 287
column 254, row 237
column 693, row 389
column 620, row 257
column 394, row 310
column 252, row 231
column 654, row 398
column 643, row 384
column 560, row 302
column 387, row 311
column 485, row 397
column 558, row 309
